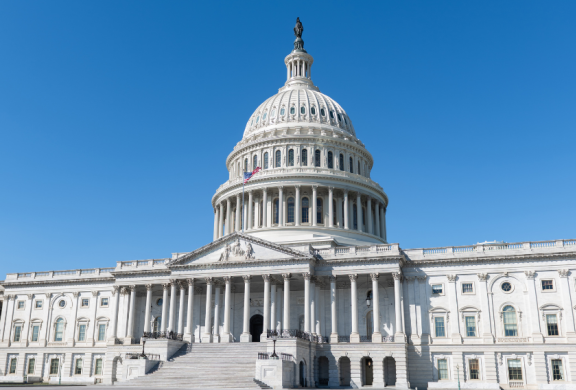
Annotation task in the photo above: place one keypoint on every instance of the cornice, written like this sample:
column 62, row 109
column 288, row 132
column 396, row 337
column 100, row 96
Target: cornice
column 57, row 282
column 245, row 263
column 158, row 272
column 488, row 259
column 399, row 260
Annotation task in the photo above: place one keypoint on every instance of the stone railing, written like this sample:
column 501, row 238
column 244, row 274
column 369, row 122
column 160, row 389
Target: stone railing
column 392, row 249
column 163, row 335
column 66, row 274
column 152, row 263
column 295, row 334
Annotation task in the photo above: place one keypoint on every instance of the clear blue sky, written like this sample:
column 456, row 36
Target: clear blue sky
column 116, row 117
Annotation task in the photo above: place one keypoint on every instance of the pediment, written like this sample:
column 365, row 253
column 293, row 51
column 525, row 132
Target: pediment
column 238, row 247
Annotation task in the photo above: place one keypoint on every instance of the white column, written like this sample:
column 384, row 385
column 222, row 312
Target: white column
column 312, row 307
column 280, row 206
column 132, row 312
column 164, row 319
column 318, row 304
column 113, row 324
column 354, row 336
column 346, row 211
column 297, row 207
column 228, row 220
column 359, row 211
column 306, row 277
column 273, row 308
column 377, row 218
column 189, row 331
column 376, row 336
column 314, row 200
column 216, row 218
column 399, row 332
column 369, row 216
column 171, row 316
column 207, row 334
column 330, row 207
column 567, row 303
column 383, row 223
column 181, row 309
column 452, row 291
column 339, row 216
column 238, row 213
column 249, row 216
column 286, row 300
column 266, row 316
column 220, row 220
column 246, row 337
column 216, row 329
column 265, row 208
column 226, row 336
column 148, row 309
column 334, row 312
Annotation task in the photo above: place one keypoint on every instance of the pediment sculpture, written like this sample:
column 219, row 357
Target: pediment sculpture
column 235, row 252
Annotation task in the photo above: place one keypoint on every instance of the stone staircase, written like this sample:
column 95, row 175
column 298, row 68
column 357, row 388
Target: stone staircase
column 206, row 366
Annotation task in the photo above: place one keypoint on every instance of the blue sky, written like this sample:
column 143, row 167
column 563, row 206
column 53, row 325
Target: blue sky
column 116, row 117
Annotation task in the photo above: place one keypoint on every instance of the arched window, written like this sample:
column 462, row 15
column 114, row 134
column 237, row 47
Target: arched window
column 292, row 110
column 322, row 112
column 157, row 324
column 359, row 171
column 369, row 322
column 317, row 158
column 319, row 211
column 351, row 165
column 334, row 212
column 254, row 162
column 305, row 207
column 331, row 114
column 282, row 111
column 59, row 330
column 313, row 110
column 510, row 324
column 278, row 162
column 304, row 157
column 290, row 209
column 355, row 216
column 245, row 165
column 341, row 162
column 302, row 110
column 330, row 160
column 291, row 158
column 266, row 160
column 276, row 210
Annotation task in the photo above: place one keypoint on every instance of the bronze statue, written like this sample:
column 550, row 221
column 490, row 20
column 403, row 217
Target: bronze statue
column 299, row 29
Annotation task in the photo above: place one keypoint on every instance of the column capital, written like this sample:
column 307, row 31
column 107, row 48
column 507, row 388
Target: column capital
column 422, row 279
column 482, row 277
column 563, row 273
column 123, row 290
column 297, row 186
column 190, row 282
column 94, row 293
column 165, row 286
column 182, row 284
column 148, row 287
column 332, row 279
column 397, row 276
column 286, row 276
column 374, row 276
column 452, row 278
column 174, row 281
column 330, row 189
column 280, row 188
column 115, row 290
column 315, row 187
column 306, row 276
column 209, row 281
column 530, row 274
column 75, row 294
column 353, row 277
column 266, row 277
column 247, row 278
column 264, row 190
column 345, row 191
column 227, row 279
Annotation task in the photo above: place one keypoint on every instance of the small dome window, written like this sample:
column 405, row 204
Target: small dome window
column 313, row 110
column 506, row 287
column 62, row 303
column 252, row 122
column 273, row 114
column 159, row 302
column 344, row 117
column 282, row 111
column 322, row 112
column 302, row 110
column 339, row 118
column 292, row 110
column 257, row 118
column 264, row 116
column 331, row 116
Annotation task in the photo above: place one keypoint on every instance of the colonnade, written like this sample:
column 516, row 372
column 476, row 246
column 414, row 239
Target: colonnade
column 301, row 206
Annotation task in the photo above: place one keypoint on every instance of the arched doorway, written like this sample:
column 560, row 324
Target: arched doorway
column 389, row 371
column 323, row 371
column 368, row 371
column 256, row 327
column 344, row 371
column 302, row 374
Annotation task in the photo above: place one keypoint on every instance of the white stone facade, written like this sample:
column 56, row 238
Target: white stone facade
column 308, row 263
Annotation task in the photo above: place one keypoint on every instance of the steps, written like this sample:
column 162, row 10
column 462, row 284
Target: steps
column 207, row 366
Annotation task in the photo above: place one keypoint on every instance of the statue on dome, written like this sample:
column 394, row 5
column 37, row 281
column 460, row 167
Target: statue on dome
column 299, row 29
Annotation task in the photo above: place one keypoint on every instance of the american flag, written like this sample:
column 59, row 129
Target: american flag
column 248, row 175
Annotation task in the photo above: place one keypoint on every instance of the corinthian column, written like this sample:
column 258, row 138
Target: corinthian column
column 314, row 202
column 216, row 217
column 131, row 315
column 266, row 307
column 181, row 310
column 330, row 206
column 249, row 218
column 171, row 318
column 226, row 336
column 216, row 330
column 220, row 221
column 228, row 221
column 147, row 309
column 354, row 336
column 376, row 218
column 264, row 210
column 189, row 331
column 359, row 211
column 306, row 277
column 333, row 307
column 207, row 334
column 369, row 216
column 163, row 319
column 280, row 207
column 297, row 210
column 346, row 210
column 246, row 337
column 238, row 213
column 286, row 300
column 399, row 336
column 376, row 336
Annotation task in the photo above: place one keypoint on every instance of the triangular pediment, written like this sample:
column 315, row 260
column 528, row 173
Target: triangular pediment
column 238, row 247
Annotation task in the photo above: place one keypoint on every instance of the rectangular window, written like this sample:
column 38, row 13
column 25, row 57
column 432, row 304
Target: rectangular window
column 17, row 333
column 38, row 304
column 552, row 324
column 439, row 326
column 104, row 302
column 54, row 366
column 21, row 305
column 442, row 369
column 437, row 289
column 98, row 367
column 101, row 332
column 547, row 285
column 12, row 366
column 557, row 371
column 82, row 332
column 78, row 367
column 474, row 368
column 467, row 288
column 470, row 326
column 514, row 370
column 85, row 302
column 35, row 331
column 31, row 366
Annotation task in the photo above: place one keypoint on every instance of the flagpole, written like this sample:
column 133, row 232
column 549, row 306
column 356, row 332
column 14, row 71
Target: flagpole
column 242, row 206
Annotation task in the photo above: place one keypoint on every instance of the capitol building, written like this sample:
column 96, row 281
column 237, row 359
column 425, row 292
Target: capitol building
column 300, row 286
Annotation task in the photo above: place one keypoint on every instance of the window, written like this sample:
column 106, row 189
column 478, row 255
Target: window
column 98, row 367
column 31, row 366
column 159, row 302
column 59, row 334
column 547, row 285
column 245, row 165
column 319, row 211
column 330, row 160
column 54, row 366
column 437, row 289
column 35, row 331
column 290, row 210
column 442, row 369
column 355, row 216
column 470, row 326
column 292, row 110
column 304, row 157
column 344, row 117
column 305, row 207
column 506, row 287
column 273, row 113
column 282, row 111
column 257, row 118
column 557, row 371
column 302, row 110
column 291, row 158
column 331, row 114
column 17, row 333
column 509, row 318
column 266, row 160
column 341, row 162
column 21, row 305
column 439, row 326
column 82, row 332
column 334, row 213
column 359, row 171
column 104, row 302
column 278, row 159
column 254, row 162
column 313, row 110
column 78, row 367
column 12, row 366
column 101, row 332
column 552, row 324
column 351, row 165
column 339, row 117
column 317, row 158
column 514, row 370
column 474, row 368
column 276, row 210
column 467, row 288
column 264, row 116
column 322, row 112
column 85, row 302
column 38, row 304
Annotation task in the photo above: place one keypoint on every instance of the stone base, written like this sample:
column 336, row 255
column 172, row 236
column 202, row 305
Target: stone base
column 376, row 337
column 557, row 386
column 278, row 374
column 333, row 338
column 127, row 340
column 163, row 347
column 245, row 338
column 463, row 385
column 355, row 337
column 216, row 338
column 226, row 338
column 73, row 380
column 12, row 379
column 206, row 338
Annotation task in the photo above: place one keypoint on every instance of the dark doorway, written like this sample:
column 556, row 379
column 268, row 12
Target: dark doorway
column 323, row 371
column 256, row 327
column 302, row 374
column 344, row 371
column 389, row 371
column 368, row 371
